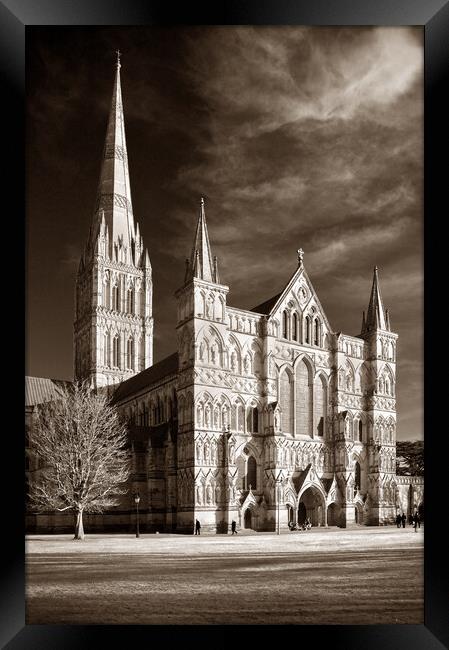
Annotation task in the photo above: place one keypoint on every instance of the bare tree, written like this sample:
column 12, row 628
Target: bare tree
column 81, row 447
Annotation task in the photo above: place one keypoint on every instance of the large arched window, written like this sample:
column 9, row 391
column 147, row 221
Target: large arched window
column 116, row 352
column 130, row 354
column 286, row 401
column 251, row 475
column 295, row 327
column 304, row 389
column 285, row 324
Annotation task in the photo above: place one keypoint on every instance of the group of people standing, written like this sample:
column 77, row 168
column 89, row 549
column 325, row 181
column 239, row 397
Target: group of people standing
column 413, row 520
column 198, row 527
column 306, row 525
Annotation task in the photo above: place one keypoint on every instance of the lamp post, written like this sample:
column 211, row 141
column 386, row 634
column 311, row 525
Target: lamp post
column 278, row 483
column 136, row 501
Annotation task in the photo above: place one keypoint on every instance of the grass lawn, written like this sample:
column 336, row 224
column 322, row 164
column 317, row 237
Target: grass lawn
column 358, row 576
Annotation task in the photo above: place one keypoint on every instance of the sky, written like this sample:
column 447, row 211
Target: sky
column 306, row 137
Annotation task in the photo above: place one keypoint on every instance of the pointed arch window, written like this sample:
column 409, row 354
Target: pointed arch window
column 360, row 430
column 284, row 324
column 115, row 297
column 295, row 327
column 107, row 292
column 107, row 350
column 308, row 329
column 357, row 478
column 116, row 352
column 130, row 301
column 130, row 354
column 251, row 473
column 316, row 332
column 252, row 420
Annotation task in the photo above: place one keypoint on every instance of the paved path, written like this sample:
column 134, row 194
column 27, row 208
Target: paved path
column 361, row 576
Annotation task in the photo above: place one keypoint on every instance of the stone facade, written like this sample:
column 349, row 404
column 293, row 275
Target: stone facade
column 271, row 416
column 265, row 416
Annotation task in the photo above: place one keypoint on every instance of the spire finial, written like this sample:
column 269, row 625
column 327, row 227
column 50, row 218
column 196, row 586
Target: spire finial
column 118, row 64
column 202, row 200
column 300, row 256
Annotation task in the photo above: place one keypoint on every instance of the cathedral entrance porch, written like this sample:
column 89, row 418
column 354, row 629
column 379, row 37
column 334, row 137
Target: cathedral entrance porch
column 312, row 505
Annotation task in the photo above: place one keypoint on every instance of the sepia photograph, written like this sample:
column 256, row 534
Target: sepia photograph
column 224, row 402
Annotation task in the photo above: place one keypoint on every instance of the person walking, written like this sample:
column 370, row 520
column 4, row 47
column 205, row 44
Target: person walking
column 398, row 520
column 403, row 519
column 416, row 522
column 234, row 527
column 197, row 527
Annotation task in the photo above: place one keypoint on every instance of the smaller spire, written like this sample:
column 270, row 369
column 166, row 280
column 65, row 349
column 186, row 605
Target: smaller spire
column 376, row 317
column 201, row 265
column 118, row 64
column 300, row 257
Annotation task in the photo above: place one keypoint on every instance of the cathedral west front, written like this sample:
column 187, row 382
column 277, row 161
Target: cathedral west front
column 265, row 416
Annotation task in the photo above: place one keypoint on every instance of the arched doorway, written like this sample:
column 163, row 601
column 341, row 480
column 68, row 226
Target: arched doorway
column 312, row 502
column 358, row 514
column 248, row 519
column 332, row 515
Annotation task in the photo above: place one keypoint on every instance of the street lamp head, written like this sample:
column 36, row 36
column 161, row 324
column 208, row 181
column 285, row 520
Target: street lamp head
column 136, row 498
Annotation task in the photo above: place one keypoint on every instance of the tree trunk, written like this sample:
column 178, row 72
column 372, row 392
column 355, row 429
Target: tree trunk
column 79, row 528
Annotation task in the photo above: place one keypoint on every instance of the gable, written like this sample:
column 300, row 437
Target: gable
column 300, row 296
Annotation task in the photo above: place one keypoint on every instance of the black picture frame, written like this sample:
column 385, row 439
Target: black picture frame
column 15, row 15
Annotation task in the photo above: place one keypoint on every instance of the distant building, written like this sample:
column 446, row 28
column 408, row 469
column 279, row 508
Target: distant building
column 266, row 415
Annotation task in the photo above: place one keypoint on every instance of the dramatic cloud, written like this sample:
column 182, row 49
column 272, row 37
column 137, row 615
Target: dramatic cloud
column 296, row 136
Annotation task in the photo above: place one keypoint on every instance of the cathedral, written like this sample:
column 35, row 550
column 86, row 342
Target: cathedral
column 265, row 416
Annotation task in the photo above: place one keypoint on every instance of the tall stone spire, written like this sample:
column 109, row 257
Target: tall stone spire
column 201, row 264
column 114, row 192
column 376, row 317
column 113, row 327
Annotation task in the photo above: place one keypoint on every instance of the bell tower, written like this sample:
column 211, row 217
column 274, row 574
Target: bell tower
column 381, row 407
column 113, row 327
